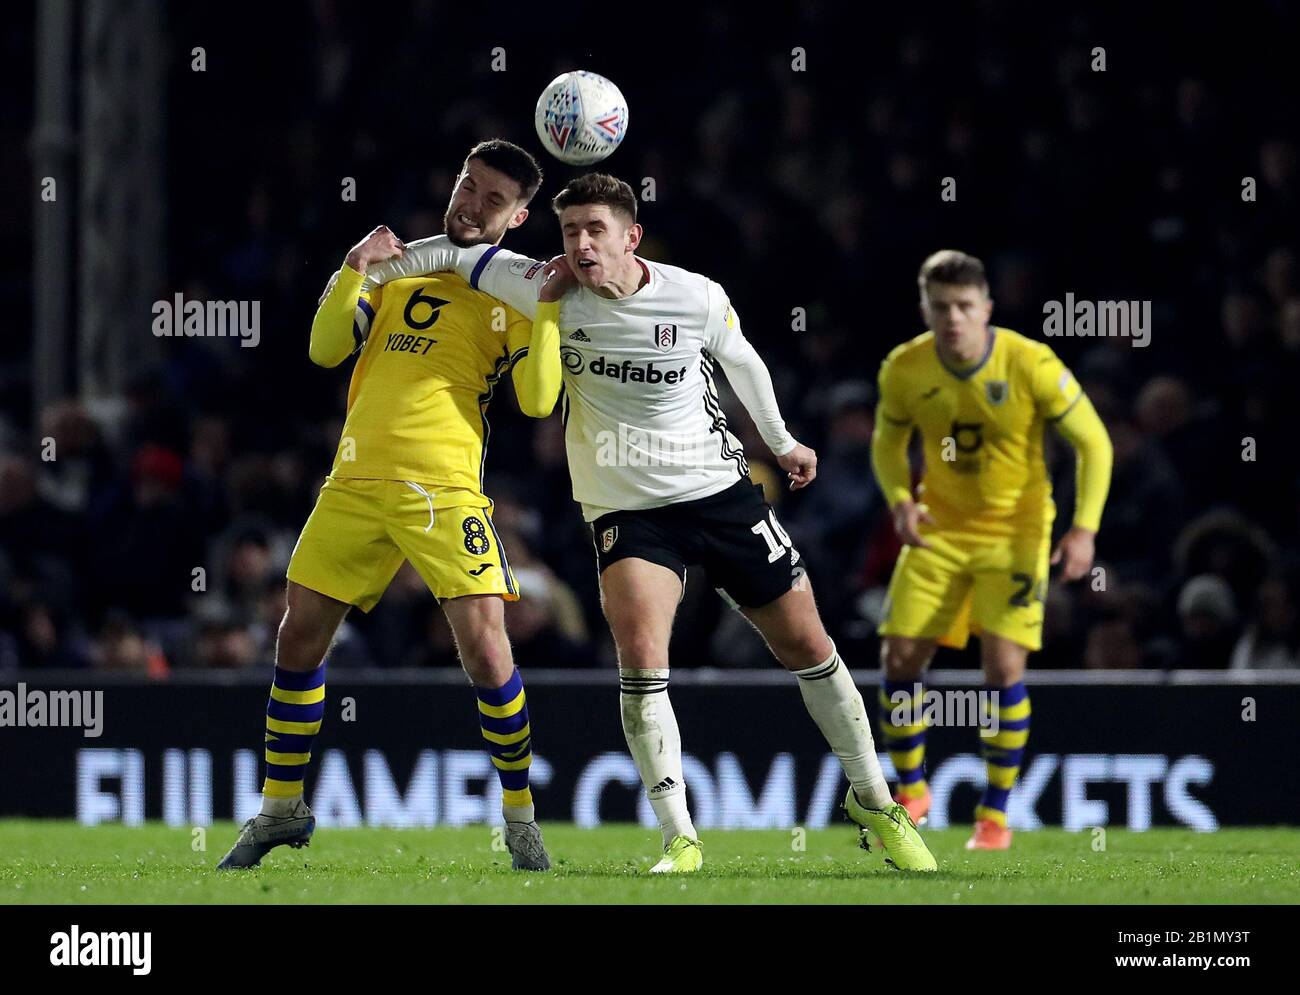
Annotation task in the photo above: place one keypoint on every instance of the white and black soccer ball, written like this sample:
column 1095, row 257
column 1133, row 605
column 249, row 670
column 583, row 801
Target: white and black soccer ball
column 581, row 117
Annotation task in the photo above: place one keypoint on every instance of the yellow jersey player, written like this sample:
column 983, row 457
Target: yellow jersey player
column 407, row 484
column 977, row 535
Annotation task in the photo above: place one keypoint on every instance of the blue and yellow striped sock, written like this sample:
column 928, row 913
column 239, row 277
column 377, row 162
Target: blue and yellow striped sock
column 1004, row 752
column 293, row 717
column 905, row 742
column 503, row 718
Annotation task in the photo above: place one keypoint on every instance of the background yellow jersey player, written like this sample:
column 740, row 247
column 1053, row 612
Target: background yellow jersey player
column 977, row 534
column 407, row 483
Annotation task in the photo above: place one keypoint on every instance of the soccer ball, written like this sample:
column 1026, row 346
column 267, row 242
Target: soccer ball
column 581, row 118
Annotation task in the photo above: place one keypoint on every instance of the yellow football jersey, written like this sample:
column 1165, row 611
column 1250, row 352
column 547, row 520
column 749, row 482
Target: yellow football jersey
column 981, row 429
column 417, row 403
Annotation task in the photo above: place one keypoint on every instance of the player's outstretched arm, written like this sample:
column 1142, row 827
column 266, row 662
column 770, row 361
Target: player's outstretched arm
column 537, row 374
column 341, row 321
column 1083, row 429
column 505, row 275
column 437, row 254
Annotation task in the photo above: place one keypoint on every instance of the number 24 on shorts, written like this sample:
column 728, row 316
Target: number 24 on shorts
column 1027, row 586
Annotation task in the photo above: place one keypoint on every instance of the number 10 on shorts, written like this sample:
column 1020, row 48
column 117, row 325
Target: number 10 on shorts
column 778, row 542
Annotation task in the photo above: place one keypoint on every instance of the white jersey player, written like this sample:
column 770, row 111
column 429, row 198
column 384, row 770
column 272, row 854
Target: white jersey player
column 665, row 485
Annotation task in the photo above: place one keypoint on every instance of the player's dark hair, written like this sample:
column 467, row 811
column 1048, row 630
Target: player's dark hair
column 509, row 158
column 597, row 188
column 955, row 268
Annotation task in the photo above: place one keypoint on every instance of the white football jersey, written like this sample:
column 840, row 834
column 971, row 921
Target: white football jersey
column 643, row 425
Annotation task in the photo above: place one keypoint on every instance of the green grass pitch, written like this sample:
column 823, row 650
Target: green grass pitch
column 51, row 862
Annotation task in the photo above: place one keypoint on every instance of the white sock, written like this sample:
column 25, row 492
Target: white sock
column 280, row 808
column 656, row 745
column 836, row 705
column 519, row 813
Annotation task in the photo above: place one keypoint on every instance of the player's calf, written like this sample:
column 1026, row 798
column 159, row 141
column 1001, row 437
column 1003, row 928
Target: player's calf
column 835, row 704
column 1003, row 748
column 901, row 695
column 904, row 734
column 295, row 709
column 503, row 721
column 294, row 713
column 478, row 624
column 655, row 742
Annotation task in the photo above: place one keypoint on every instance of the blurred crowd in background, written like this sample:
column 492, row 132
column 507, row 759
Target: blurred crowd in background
column 157, row 536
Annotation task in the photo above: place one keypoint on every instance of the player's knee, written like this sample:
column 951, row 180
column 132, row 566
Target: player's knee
column 1004, row 664
column 903, row 659
column 486, row 657
column 642, row 651
column 801, row 650
column 299, row 644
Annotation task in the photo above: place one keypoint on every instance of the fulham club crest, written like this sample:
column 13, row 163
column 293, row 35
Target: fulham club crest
column 608, row 538
column 665, row 337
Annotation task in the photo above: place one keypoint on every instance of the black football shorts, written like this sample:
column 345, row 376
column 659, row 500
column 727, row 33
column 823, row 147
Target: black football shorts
column 733, row 535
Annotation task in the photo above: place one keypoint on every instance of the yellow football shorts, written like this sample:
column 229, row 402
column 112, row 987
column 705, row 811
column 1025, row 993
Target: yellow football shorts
column 969, row 583
column 360, row 531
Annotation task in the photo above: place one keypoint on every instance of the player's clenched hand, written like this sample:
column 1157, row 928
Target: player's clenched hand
column 800, row 465
column 379, row 245
column 908, row 516
column 557, row 280
column 1075, row 552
